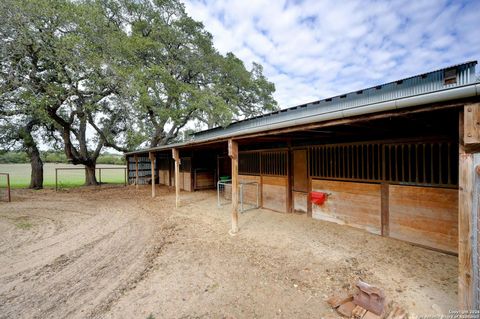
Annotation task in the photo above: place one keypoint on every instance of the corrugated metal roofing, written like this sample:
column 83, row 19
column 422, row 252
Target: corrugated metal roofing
column 412, row 86
column 363, row 101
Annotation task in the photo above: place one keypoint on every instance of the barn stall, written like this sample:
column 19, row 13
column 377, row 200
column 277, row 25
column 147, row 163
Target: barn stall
column 396, row 160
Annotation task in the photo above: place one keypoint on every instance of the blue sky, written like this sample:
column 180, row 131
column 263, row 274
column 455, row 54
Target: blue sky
column 315, row 49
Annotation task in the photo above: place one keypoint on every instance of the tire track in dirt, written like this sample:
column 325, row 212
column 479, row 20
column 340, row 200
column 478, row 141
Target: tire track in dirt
column 81, row 270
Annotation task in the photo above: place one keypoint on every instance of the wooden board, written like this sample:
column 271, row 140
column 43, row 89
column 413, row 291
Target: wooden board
column 471, row 134
column 300, row 173
column 164, row 177
column 274, row 193
column 300, row 202
column 349, row 203
column 424, row 215
column 204, row 179
column 187, row 181
column 250, row 190
column 181, row 179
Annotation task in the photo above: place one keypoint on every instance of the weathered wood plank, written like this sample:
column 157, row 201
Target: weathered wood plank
column 349, row 203
column 471, row 133
column 300, row 202
column 274, row 193
column 424, row 215
column 465, row 189
column 300, row 172
column 187, row 181
column 385, row 209
column 164, row 177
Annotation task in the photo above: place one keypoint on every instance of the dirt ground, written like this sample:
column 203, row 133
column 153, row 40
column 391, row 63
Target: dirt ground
column 118, row 253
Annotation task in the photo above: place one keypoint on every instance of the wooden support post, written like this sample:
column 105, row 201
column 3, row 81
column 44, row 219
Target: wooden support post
column 56, row 179
column 385, row 207
column 289, row 177
column 309, row 202
column 471, row 129
column 125, row 176
column 468, row 207
column 151, row 156
column 136, row 172
column 100, row 177
column 233, row 154
column 176, row 157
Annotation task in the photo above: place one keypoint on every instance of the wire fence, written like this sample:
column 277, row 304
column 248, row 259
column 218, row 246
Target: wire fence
column 249, row 194
column 81, row 174
column 5, row 195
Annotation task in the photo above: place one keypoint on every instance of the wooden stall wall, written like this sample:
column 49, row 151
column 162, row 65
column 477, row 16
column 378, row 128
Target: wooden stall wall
column 181, row 181
column 187, row 181
column 204, row 179
column 203, row 166
column 274, row 193
column 249, row 192
column 186, row 174
column 270, row 169
column 250, row 195
column 163, row 166
column 412, row 185
column 300, row 178
column 349, row 203
column 164, row 177
column 300, row 202
column 424, row 215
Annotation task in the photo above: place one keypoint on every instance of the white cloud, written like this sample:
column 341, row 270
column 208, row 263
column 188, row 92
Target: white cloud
column 315, row 49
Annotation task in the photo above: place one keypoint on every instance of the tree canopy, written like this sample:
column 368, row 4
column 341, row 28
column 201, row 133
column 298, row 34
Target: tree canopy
column 92, row 74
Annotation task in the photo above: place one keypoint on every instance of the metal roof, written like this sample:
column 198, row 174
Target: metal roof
column 420, row 84
column 348, row 103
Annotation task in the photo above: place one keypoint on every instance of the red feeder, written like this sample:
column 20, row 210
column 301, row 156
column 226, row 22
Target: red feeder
column 318, row 198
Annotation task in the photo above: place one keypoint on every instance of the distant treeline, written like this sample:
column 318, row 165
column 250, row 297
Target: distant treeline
column 56, row 157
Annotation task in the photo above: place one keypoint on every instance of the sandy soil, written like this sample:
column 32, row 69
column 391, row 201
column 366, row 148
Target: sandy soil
column 118, row 253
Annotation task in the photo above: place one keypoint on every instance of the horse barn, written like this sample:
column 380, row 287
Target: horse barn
column 397, row 160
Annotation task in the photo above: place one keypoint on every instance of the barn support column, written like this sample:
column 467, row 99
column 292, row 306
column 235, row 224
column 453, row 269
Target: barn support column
column 136, row 172
column 176, row 157
column 233, row 154
column 468, row 205
column 151, row 156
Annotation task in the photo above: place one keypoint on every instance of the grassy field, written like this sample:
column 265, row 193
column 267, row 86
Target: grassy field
column 20, row 175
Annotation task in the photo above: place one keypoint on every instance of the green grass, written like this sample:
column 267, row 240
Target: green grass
column 20, row 175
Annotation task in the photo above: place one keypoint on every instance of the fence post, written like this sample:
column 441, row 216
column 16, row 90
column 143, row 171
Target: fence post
column 125, row 176
column 100, row 176
column 8, row 188
column 56, row 179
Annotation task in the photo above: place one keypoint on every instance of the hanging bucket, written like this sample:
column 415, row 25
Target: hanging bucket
column 318, row 198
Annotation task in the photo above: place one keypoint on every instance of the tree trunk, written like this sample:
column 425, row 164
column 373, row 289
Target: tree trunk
column 36, row 178
column 36, row 163
column 90, row 178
